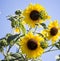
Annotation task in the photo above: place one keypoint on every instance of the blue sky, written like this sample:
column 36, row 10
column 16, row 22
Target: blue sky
column 8, row 7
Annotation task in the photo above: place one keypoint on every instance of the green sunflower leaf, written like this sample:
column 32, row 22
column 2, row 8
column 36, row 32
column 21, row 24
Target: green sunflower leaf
column 22, row 28
column 58, row 44
column 10, row 39
column 17, row 56
column 11, row 18
column 44, row 25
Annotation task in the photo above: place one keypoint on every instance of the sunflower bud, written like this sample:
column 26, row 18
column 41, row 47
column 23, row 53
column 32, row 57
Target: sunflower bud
column 3, row 42
column 18, row 12
column 44, row 45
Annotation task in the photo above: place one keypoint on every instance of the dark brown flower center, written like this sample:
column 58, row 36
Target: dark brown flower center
column 53, row 31
column 34, row 15
column 32, row 44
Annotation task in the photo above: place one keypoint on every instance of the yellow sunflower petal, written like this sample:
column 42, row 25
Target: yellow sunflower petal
column 54, row 39
column 53, row 24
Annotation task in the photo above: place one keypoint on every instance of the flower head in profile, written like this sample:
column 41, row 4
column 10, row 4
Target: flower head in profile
column 35, row 14
column 30, row 45
column 53, row 31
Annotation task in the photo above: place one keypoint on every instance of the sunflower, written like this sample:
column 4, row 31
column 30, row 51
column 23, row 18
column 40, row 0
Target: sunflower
column 35, row 14
column 30, row 45
column 16, row 30
column 53, row 31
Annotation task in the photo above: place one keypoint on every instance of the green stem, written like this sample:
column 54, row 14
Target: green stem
column 8, row 49
column 52, row 44
column 3, row 53
column 42, row 35
column 29, row 29
column 51, row 50
column 35, row 29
